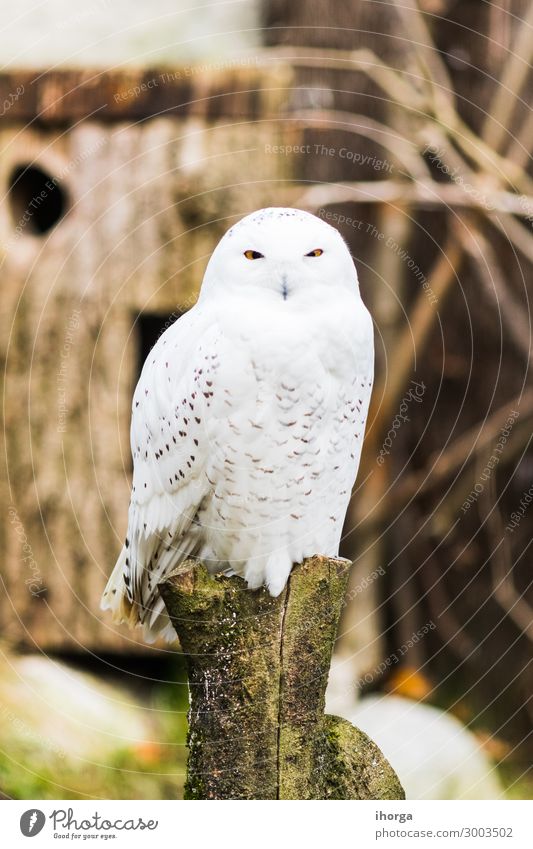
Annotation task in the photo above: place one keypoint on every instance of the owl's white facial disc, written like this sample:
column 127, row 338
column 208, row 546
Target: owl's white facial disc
column 284, row 254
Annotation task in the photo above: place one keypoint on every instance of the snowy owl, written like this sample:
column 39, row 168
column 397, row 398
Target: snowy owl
column 249, row 415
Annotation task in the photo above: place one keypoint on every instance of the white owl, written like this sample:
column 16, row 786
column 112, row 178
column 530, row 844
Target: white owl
column 249, row 415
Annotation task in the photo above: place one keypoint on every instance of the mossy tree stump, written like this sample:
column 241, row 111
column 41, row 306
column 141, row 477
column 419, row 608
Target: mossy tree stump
column 258, row 669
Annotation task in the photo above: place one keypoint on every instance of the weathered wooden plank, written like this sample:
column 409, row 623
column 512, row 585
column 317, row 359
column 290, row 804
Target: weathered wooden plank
column 239, row 88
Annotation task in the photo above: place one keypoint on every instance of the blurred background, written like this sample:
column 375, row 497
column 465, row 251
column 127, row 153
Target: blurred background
column 132, row 136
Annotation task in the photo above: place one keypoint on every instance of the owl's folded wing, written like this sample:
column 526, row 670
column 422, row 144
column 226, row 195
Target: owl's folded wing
column 170, row 448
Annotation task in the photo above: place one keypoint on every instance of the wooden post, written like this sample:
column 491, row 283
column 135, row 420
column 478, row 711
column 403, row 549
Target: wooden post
column 258, row 669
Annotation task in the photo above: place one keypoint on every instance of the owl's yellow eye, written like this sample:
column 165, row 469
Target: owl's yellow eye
column 316, row 252
column 253, row 255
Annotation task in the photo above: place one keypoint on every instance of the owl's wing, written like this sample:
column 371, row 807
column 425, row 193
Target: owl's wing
column 169, row 447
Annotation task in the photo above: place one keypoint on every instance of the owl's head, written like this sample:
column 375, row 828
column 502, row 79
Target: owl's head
column 284, row 253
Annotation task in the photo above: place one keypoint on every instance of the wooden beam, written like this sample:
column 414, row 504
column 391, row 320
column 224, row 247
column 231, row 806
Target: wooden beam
column 237, row 89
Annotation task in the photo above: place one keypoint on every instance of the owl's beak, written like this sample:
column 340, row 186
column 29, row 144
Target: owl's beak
column 284, row 287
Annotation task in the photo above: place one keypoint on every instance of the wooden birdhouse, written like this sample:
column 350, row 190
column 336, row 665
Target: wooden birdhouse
column 116, row 187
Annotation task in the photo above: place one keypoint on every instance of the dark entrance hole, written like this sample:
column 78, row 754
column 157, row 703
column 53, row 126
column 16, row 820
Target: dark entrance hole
column 37, row 200
column 150, row 326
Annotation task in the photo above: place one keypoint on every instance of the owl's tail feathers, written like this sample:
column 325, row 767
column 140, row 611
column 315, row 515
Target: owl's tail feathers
column 148, row 610
column 115, row 597
column 159, row 625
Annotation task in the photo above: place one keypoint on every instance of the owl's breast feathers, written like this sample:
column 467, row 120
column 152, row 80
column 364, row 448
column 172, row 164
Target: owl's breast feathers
column 246, row 438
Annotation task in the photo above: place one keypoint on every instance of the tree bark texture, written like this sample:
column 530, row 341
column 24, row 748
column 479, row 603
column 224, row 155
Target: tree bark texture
column 258, row 670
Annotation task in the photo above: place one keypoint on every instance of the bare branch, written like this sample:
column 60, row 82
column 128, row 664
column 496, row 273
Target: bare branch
column 413, row 337
column 464, row 449
column 394, row 83
column 434, row 69
column 496, row 291
column 400, row 148
column 501, row 563
column 515, row 232
column 426, row 194
column 516, row 70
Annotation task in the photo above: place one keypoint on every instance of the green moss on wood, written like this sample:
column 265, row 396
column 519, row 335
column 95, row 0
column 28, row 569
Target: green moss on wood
column 354, row 767
column 258, row 670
